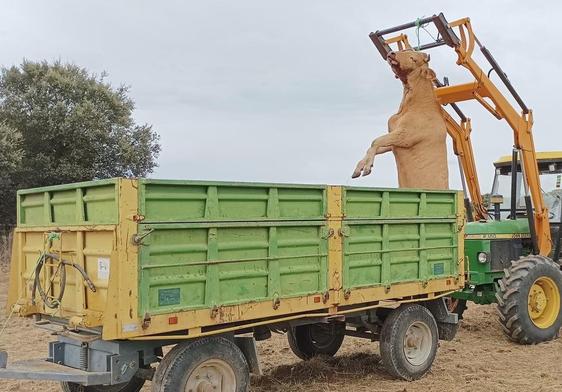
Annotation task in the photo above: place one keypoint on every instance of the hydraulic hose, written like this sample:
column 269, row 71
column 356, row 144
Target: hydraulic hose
column 50, row 302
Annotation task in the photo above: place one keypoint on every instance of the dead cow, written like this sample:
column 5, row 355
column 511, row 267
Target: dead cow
column 417, row 133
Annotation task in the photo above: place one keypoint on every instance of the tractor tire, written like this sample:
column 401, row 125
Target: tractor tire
column 528, row 300
column 311, row 340
column 409, row 341
column 135, row 384
column 212, row 363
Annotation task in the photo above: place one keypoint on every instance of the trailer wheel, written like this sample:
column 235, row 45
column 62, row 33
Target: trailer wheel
column 409, row 340
column 529, row 300
column 213, row 364
column 135, row 384
column 307, row 341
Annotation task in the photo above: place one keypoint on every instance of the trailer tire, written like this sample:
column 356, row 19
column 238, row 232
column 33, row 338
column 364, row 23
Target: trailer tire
column 528, row 300
column 204, row 363
column 311, row 340
column 135, row 384
column 409, row 341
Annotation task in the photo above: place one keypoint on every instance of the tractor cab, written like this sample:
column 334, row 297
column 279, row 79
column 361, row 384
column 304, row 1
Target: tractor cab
column 508, row 193
column 504, row 191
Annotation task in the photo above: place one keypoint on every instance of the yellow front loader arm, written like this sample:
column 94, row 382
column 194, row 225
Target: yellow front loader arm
column 462, row 146
column 485, row 92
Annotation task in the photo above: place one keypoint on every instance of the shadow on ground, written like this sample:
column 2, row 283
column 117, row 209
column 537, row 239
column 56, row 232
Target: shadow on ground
column 344, row 369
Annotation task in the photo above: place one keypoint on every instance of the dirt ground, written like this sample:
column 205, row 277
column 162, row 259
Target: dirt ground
column 479, row 359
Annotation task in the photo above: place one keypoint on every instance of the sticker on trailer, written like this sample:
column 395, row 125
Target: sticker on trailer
column 167, row 297
column 103, row 268
column 438, row 269
column 130, row 328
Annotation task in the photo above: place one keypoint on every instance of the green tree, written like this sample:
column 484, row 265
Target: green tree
column 10, row 160
column 68, row 125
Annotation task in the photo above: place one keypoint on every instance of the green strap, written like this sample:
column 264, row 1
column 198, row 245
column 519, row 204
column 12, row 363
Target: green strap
column 418, row 27
column 53, row 236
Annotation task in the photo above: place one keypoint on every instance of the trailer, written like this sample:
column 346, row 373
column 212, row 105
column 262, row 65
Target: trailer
column 118, row 269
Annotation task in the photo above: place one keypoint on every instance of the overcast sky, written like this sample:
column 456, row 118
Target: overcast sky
column 283, row 91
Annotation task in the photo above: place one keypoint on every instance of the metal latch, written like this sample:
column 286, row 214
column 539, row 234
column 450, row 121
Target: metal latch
column 137, row 238
column 345, row 231
column 327, row 233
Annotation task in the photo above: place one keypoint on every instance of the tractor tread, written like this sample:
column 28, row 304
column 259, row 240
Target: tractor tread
column 512, row 299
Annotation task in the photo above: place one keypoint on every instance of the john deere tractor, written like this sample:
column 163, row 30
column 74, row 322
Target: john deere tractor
column 503, row 262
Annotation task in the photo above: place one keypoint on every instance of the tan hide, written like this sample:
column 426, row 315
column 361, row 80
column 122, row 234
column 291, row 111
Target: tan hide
column 417, row 133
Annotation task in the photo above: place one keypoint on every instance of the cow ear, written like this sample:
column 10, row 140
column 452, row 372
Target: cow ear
column 427, row 57
column 429, row 74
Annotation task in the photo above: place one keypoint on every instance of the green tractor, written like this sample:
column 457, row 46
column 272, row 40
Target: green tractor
column 503, row 263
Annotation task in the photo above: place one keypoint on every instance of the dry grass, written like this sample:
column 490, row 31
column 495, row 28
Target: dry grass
column 318, row 371
column 5, row 249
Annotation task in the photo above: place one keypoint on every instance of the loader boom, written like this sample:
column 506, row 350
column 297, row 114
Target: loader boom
column 484, row 91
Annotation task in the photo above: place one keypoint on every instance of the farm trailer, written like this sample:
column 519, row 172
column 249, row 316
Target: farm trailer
column 120, row 268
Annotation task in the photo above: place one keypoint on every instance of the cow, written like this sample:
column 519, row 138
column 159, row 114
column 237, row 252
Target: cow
column 417, row 133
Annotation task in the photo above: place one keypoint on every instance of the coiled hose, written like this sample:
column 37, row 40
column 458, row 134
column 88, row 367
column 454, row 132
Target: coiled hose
column 54, row 303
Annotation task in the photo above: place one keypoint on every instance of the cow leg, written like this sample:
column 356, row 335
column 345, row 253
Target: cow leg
column 380, row 145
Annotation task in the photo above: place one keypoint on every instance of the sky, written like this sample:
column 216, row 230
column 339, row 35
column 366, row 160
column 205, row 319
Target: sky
column 284, row 91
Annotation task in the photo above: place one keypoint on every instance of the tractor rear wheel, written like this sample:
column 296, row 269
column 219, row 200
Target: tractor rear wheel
column 529, row 299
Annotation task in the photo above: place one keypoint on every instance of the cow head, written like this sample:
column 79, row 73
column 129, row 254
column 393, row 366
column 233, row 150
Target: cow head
column 406, row 62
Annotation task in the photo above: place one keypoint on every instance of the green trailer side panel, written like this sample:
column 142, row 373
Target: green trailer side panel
column 219, row 243
column 396, row 235
column 189, row 201
column 382, row 253
column 197, row 265
column 84, row 203
column 369, row 203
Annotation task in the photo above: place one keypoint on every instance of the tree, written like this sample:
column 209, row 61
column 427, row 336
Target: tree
column 68, row 125
column 10, row 159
